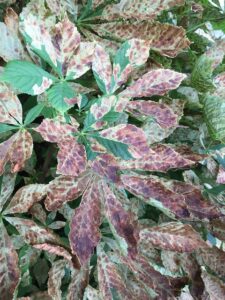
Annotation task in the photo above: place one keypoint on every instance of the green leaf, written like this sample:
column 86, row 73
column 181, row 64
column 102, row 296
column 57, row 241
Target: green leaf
column 33, row 113
column 117, row 148
column 27, row 77
column 6, row 127
column 57, row 95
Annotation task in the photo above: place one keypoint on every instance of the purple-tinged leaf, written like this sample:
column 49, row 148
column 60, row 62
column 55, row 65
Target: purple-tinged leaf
column 53, row 249
column 155, row 82
column 79, row 281
column 84, row 229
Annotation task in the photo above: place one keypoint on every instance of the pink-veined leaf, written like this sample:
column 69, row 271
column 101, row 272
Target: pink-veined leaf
column 71, row 158
column 17, row 149
column 10, row 107
column 130, row 135
column 63, row 189
column 102, row 69
column 123, row 221
column 54, row 131
column 173, row 236
column 155, row 82
column 9, row 271
column 32, row 232
column 84, row 229
column 161, row 158
column 110, row 281
column 54, row 249
column 167, row 39
column 25, row 197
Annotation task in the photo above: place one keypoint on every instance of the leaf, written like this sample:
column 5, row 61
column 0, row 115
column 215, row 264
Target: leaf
column 54, row 131
column 123, row 221
column 155, row 82
column 63, row 189
column 10, row 273
column 102, row 69
column 167, row 39
column 216, row 53
column 27, row 77
column 71, row 158
column 10, row 107
column 141, row 10
column 132, row 54
column 110, row 281
column 7, row 186
column 214, row 286
column 6, row 128
column 55, row 276
column 53, row 249
column 129, row 135
column 10, row 46
column 33, row 113
column 91, row 293
column 17, row 149
column 173, row 236
column 32, row 232
column 59, row 96
column 25, row 197
column 84, row 229
column 79, row 281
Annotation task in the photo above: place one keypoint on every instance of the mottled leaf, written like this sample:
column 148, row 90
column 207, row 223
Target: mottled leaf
column 214, row 286
column 79, row 281
column 7, row 187
column 155, row 82
column 17, row 149
column 172, row 236
column 84, row 233
column 10, row 274
column 53, row 249
column 25, row 197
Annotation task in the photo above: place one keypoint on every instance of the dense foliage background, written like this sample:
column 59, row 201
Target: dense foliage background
column 112, row 154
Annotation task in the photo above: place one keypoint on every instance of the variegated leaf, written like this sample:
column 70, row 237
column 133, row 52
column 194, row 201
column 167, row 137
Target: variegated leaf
column 10, row 107
column 25, row 197
column 32, row 232
column 17, row 149
column 161, row 158
column 54, row 131
column 53, row 249
column 79, row 281
column 214, row 286
column 216, row 53
column 155, row 82
column 84, row 229
column 71, row 158
column 172, row 236
column 55, row 277
column 9, row 271
column 123, row 221
column 132, row 54
column 167, row 39
column 129, row 135
column 102, row 69
column 63, row 189
column 91, row 294
column 111, row 284
column 141, row 10
column 7, row 187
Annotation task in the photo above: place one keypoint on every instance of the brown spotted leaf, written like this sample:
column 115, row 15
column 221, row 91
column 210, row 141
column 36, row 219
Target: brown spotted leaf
column 161, row 158
column 25, row 197
column 9, row 271
column 63, row 189
column 155, row 82
column 10, row 107
column 122, row 221
column 53, row 249
column 167, row 39
column 110, row 281
column 172, row 236
column 71, row 158
column 32, row 232
column 54, row 131
column 17, row 149
column 84, row 229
